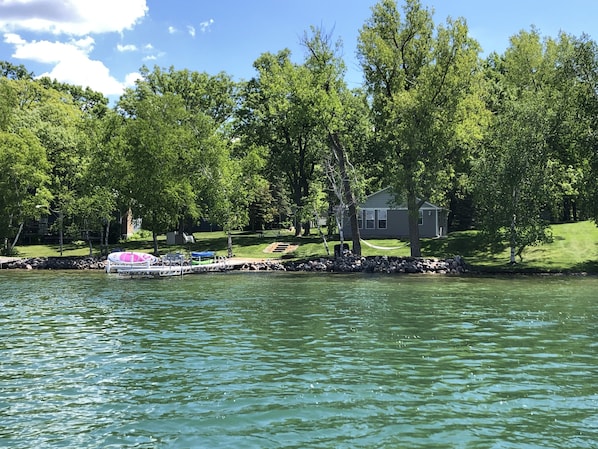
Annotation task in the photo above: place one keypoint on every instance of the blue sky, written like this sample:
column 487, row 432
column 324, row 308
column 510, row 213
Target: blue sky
column 104, row 43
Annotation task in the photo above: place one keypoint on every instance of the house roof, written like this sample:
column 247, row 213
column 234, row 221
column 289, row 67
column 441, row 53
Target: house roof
column 385, row 198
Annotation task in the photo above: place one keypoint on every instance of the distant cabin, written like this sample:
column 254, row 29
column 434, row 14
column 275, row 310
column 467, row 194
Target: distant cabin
column 380, row 217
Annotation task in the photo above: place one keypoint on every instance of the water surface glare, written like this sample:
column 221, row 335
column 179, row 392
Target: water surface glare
column 259, row 360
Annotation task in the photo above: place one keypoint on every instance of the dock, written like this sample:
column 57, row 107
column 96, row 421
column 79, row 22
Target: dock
column 155, row 271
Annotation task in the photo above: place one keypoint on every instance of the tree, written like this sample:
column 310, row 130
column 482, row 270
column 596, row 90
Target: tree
column 512, row 177
column 14, row 72
column 522, row 173
column 422, row 80
column 24, row 180
column 239, row 185
column 342, row 120
column 277, row 113
column 157, row 144
column 583, row 69
column 60, row 126
column 174, row 149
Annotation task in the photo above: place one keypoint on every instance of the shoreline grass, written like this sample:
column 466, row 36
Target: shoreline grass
column 574, row 248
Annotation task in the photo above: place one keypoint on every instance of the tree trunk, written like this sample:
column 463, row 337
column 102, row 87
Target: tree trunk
column 513, row 227
column 513, row 239
column 413, row 212
column 306, row 228
column 155, row 237
column 297, row 225
column 321, row 233
column 229, row 244
column 16, row 239
column 181, row 229
column 105, row 240
column 6, row 247
column 348, row 191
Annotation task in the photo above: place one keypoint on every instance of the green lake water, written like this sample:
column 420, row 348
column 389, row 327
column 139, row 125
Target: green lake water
column 273, row 360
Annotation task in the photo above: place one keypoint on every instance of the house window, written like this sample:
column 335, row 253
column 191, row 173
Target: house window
column 360, row 219
column 420, row 221
column 370, row 221
column 382, row 218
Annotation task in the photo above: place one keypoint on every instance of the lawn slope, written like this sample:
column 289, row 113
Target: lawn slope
column 574, row 248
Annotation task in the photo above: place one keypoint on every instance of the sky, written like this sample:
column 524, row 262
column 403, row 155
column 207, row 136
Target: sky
column 103, row 43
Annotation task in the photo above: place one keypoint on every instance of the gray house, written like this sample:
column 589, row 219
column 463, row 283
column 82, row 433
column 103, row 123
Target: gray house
column 380, row 217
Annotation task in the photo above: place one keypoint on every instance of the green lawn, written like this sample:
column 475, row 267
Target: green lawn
column 574, row 248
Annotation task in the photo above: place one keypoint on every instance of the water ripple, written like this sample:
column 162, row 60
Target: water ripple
column 271, row 361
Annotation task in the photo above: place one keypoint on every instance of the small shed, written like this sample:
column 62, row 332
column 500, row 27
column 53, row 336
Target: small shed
column 380, row 217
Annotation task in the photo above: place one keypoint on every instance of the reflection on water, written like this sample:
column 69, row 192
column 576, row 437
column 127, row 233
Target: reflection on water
column 276, row 360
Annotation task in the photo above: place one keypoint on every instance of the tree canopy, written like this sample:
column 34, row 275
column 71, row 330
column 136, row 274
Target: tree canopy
column 422, row 81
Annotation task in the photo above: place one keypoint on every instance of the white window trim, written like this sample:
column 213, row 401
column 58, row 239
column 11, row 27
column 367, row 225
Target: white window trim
column 385, row 219
column 367, row 218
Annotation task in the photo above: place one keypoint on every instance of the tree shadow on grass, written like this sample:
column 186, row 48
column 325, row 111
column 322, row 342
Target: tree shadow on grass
column 589, row 266
column 468, row 244
column 218, row 242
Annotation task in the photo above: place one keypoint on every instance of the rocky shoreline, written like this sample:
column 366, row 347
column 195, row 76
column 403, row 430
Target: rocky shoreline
column 57, row 263
column 348, row 264
column 372, row 264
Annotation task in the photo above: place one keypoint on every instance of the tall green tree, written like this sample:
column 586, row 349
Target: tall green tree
column 422, row 79
column 59, row 125
column 277, row 113
column 24, row 181
column 240, row 183
column 156, row 178
column 583, row 68
column 62, row 127
column 512, row 191
column 175, row 147
column 524, row 169
column 344, row 122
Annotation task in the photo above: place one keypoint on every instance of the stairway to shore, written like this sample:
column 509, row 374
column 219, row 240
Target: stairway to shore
column 281, row 247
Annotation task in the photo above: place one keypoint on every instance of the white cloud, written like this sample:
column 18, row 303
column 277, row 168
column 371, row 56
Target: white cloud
column 191, row 30
column 72, row 17
column 15, row 39
column 70, row 56
column 205, row 26
column 49, row 52
column 125, row 48
column 131, row 78
column 70, row 60
column 172, row 30
column 86, row 72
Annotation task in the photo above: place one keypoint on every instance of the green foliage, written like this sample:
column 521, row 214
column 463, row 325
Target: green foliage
column 142, row 234
column 278, row 113
column 174, row 161
column 24, row 179
column 425, row 98
column 521, row 176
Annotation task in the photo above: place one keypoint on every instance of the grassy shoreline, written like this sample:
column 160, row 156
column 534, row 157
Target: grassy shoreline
column 574, row 249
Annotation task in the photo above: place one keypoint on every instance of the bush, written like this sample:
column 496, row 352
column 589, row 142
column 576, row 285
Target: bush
column 142, row 234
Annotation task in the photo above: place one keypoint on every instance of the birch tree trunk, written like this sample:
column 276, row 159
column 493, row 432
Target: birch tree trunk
column 413, row 213
column 341, row 157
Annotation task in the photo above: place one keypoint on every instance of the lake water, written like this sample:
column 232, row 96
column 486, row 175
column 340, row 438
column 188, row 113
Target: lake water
column 260, row 360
